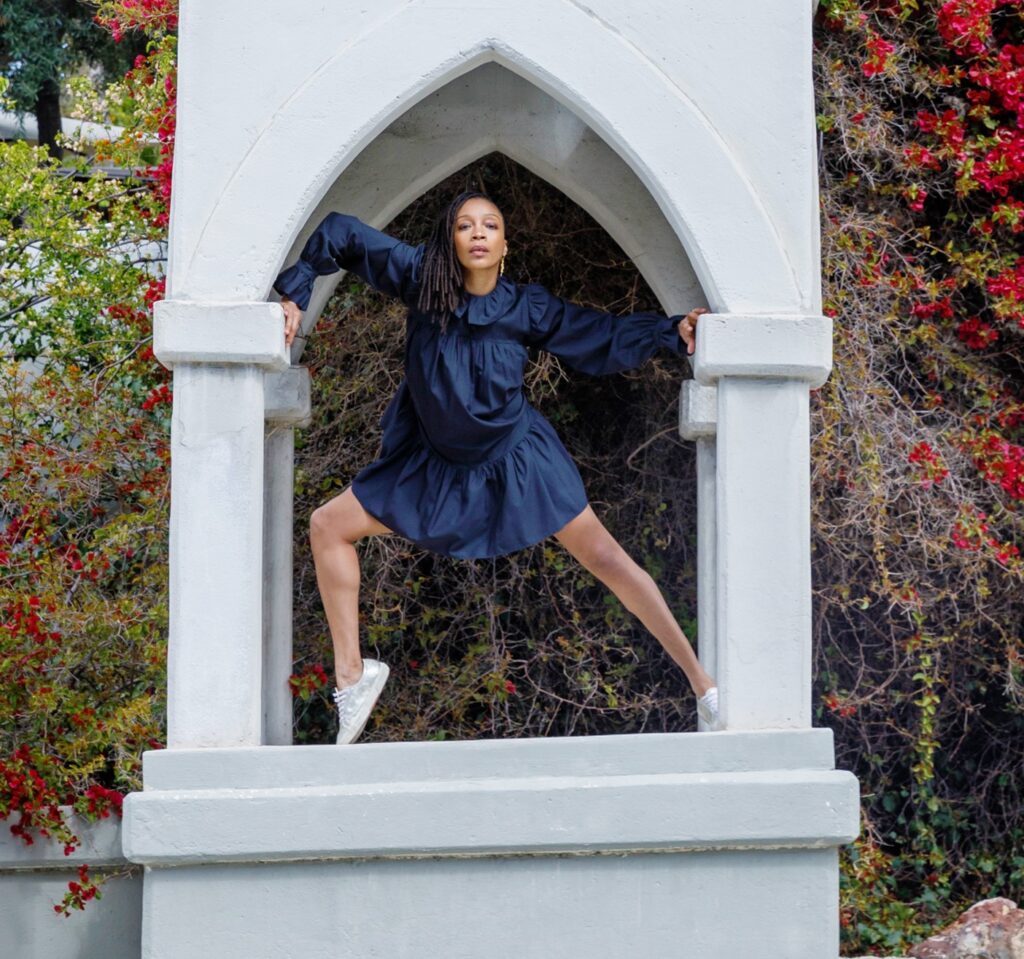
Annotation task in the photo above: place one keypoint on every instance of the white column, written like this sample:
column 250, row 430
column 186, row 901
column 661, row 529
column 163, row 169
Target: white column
column 218, row 352
column 763, row 366
column 286, row 396
column 698, row 413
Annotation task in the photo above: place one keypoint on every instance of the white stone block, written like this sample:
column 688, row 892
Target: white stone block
column 698, row 410
column 423, row 849
column 763, row 592
column 278, row 576
column 790, row 347
column 34, row 878
column 554, row 796
column 171, row 770
column 287, row 397
column 211, row 332
column 707, row 559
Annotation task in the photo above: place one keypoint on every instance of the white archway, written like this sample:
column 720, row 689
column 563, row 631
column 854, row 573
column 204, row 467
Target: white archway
column 702, row 115
column 669, row 143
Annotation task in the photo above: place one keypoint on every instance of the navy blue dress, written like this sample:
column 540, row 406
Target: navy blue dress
column 467, row 467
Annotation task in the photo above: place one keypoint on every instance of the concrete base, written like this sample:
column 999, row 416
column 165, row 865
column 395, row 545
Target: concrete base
column 717, row 845
column 779, row 905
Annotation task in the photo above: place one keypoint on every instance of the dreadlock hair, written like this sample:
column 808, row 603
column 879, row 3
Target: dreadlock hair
column 441, row 272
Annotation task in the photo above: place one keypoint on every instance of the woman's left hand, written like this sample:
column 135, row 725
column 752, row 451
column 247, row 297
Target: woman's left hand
column 688, row 327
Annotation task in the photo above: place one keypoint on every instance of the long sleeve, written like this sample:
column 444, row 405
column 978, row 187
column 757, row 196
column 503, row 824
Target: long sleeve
column 343, row 242
column 595, row 342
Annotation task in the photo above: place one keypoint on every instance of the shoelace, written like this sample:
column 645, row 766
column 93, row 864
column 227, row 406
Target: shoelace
column 342, row 700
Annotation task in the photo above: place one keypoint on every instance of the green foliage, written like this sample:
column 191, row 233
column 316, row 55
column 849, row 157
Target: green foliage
column 84, row 415
column 83, row 499
column 917, row 454
column 73, row 245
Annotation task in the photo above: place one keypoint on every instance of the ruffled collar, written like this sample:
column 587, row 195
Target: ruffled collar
column 484, row 310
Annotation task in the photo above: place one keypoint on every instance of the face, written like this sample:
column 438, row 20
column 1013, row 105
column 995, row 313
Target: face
column 479, row 235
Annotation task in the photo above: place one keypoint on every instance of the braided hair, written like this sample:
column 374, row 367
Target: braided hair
column 441, row 272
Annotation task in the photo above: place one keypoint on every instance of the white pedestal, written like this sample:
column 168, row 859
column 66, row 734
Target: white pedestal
column 711, row 844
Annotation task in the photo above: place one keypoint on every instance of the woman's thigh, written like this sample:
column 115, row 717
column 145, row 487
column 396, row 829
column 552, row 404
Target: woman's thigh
column 344, row 516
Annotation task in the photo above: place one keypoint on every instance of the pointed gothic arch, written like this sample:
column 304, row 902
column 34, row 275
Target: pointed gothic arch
column 448, row 130
column 670, row 145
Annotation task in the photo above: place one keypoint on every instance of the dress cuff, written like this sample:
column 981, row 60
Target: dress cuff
column 668, row 335
column 297, row 283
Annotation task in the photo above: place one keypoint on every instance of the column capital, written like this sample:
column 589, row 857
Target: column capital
column 186, row 331
column 766, row 345
column 286, row 397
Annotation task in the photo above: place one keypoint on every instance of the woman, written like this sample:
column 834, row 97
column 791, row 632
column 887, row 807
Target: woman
column 467, row 467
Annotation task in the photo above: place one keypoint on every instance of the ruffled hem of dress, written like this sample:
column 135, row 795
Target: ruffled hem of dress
column 478, row 512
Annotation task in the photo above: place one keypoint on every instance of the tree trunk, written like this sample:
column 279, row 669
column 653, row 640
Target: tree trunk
column 47, row 113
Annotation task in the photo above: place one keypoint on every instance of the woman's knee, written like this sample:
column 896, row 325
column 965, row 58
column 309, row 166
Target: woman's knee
column 605, row 558
column 324, row 527
column 342, row 518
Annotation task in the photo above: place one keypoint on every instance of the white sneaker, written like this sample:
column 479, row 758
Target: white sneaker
column 356, row 702
column 707, row 709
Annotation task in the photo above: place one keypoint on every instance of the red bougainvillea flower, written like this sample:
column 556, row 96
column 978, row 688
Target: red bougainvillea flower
column 915, row 196
column 1002, row 462
column 1003, row 77
column 929, row 463
column 976, row 333
column 966, row 25
column 879, row 51
column 308, row 681
column 939, row 309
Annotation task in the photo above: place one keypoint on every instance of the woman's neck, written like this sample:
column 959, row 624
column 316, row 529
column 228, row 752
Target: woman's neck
column 479, row 282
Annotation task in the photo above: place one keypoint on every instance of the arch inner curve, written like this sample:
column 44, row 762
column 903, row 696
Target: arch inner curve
column 492, row 109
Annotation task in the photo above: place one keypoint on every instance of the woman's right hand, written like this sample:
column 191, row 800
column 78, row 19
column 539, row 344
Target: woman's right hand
column 292, row 319
column 688, row 327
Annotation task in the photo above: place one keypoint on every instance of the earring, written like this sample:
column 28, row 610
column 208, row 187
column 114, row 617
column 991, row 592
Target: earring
column 501, row 266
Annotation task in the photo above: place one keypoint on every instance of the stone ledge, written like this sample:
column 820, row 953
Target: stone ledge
column 524, row 816
column 763, row 345
column 272, row 767
column 208, row 332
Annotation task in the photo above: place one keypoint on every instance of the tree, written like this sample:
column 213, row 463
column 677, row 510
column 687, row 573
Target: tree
column 41, row 42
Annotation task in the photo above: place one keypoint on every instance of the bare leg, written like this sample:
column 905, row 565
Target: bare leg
column 334, row 528
column 586, row 538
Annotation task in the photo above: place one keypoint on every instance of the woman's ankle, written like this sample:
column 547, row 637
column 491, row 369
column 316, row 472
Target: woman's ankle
column 349, row 675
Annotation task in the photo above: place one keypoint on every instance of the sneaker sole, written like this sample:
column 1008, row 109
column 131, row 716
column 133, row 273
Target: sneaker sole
column 364, row 714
